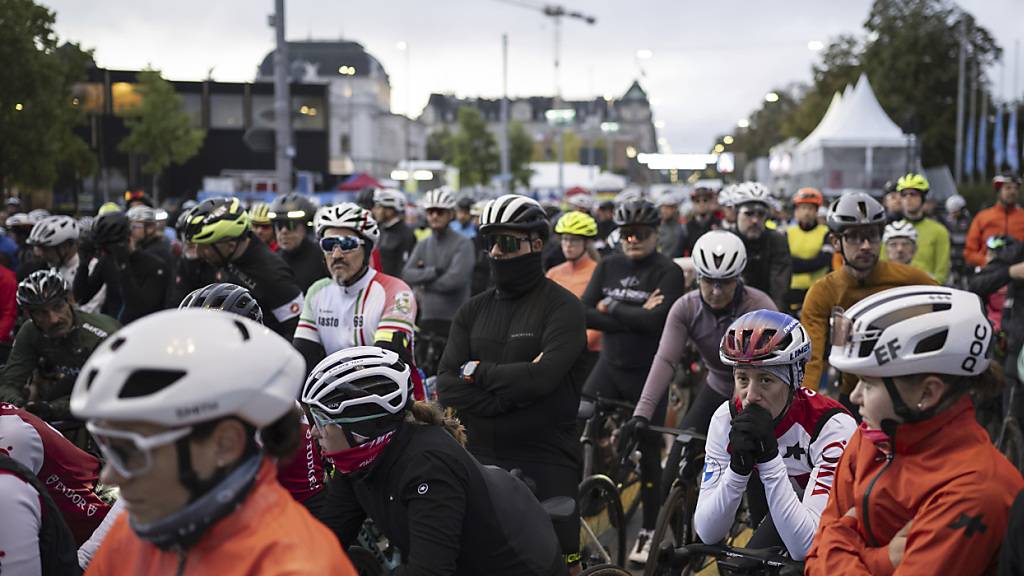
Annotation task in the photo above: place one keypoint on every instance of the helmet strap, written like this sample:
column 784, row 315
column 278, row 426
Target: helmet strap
column 367, row 254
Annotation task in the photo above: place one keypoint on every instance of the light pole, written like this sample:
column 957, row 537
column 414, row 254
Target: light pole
column 609, row 129
column 404, row 47
column 283, row 150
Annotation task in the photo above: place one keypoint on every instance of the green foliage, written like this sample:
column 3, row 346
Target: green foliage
column 474, row 149
column 439, row 146
column 37, row 76
column 520, row 146
column 159, row 128
column 766, row 126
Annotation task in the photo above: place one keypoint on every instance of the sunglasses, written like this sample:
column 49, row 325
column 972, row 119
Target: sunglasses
column 289, row 224
column 636, row 234
column 506, row 243
column 343, row 243
column 131, row 453
column 873, row 236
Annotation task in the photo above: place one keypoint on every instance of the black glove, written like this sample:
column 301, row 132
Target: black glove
column 41, row 409
column 743, row 450
column 86, row 249
column 629, row 430
column 755, row 422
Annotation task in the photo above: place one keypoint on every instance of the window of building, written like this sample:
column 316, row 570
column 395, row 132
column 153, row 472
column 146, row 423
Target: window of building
column 125, row 98
column 88, row 96
column 308, row 113
column 192, row 104
column 226, row 111
column 263, row 111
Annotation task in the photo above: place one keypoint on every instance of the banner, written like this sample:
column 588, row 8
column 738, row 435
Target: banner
column 969, row 153
column 1012, row 153
column 983, row 143
column 998, row 146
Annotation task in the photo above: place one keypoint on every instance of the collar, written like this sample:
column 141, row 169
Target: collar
column 584, row 261
column 360, row 284
column 952, row 421
column 390, row 456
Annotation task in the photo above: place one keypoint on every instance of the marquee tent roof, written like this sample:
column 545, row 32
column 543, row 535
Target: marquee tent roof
column 855, row 119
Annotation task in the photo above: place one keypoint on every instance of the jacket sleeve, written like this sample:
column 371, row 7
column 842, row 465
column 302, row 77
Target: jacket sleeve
column 781, row 270
column 815, row 316
column 459, row 270
column 20, row 365
column 636, row 318
column 436, row 504
column 563, row 340
column 142, row 295
column 974, row 250
column 801, row 265
column 796, row 519
column 989, row 279
column 591, row 296
column 87, row 283
column 670, row 350
column 721, row 489
column 415, row 275
column 452, row 390
column 341, row 511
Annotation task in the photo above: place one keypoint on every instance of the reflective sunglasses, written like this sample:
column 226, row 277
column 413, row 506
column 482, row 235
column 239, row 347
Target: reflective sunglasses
column 131, row 453
column 636, row 234
column 506, row 243
column 343, row 243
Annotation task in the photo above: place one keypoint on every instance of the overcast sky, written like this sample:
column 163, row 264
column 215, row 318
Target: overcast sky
column 712, row 62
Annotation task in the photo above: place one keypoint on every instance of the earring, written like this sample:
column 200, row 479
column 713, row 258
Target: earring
column 920, row 405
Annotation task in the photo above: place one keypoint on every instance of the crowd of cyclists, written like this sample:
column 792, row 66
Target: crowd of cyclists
column 237, row 388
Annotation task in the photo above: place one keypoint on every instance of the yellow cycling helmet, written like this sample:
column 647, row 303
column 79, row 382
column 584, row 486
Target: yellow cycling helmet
column 108, row 207
column 577, row 224
column 912, row 181
column 216, row 219
column 259, row 214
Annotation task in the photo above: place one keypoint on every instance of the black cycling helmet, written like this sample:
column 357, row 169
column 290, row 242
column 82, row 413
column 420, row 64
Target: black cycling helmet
column 465, row 203
column 225, row 296
column 514, row 212
column 292, row 207
column 637, row 213
column 41, row 287
column 111, row 228
column 365, row 198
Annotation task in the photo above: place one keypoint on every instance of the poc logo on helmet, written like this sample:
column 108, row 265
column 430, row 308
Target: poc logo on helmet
column 977, row 348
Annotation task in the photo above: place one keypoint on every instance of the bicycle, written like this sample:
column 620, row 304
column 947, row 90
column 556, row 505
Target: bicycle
column 1010, row 440
column 604, row 418
column 675, row 519
column 732, row 561
column 602, row 522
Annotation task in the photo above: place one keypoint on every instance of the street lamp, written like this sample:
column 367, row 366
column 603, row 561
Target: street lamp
column 728, row 140
column 771, row 97
column 743, row 123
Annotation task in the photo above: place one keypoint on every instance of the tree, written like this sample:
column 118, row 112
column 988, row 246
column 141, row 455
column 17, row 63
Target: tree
column 840, row 67
column 159, row 128
column 36, row 115
column 520, row 153
column 474, row 149
column 439, row 145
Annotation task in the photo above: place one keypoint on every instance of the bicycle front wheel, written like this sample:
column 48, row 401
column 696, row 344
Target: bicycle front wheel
column 605, row 570
column 603, row 526
column 675, row 525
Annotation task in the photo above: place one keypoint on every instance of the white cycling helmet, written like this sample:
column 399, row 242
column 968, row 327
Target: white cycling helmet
column 749, row 192
column 954, row 203
column 53, row 231
column 18, row 219
column 726, row 196
column 389, row 198
column 38, row 214
column 141, row 213
column 582, row 201
column 900, row 229
column 719, row 254
column 854, row 209
column 912, row 330
column 178, row 368
column 350, row 216
column 438, row 198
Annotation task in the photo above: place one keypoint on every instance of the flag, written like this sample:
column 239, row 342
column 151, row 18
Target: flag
column 982, row 144
column 969, row 153
column 998, row 146
column 1012, row 155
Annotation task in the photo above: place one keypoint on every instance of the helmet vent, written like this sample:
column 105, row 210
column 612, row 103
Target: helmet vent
column 147, row 382
column 243, row 330
column 89, row 379
column 117, row 343
column 932, row 343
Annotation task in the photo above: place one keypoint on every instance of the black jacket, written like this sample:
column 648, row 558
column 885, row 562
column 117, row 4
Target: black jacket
column 396, row 244
column 769, row 266
column 695, row 228
column 135, row 287
column 517, row 409
column 445, row 512
column 271, row 283
column 631, row 334
column 994, row 276
column 158, row 246
column 307, row 263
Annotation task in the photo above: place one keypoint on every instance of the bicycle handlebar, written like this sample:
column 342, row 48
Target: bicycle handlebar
column 766, row 557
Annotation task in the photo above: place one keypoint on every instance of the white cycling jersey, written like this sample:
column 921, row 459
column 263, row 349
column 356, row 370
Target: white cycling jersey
column 339, row 317
column 20, row 521
column 812, row 437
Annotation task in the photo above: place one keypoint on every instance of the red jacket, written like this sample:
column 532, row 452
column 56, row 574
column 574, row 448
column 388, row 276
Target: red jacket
column 8, row 304
column 994, row 221
column 945, row 475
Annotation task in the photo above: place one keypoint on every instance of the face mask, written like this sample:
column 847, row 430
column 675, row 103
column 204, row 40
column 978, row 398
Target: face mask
column 515, row 276
column 879, row 438
column 358, row 458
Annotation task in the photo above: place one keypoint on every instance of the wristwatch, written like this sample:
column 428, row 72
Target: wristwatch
column 468, row 369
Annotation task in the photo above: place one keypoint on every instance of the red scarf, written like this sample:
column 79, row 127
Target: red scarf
column 355, row 459
column 877, row 437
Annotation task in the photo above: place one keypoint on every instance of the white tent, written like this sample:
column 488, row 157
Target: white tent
column 855, row 146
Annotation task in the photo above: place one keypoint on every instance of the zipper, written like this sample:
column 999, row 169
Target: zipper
column 182, row 557
column 867, row 494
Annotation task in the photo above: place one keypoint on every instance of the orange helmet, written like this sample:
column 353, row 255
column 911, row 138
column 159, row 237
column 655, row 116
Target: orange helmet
column 808, row 196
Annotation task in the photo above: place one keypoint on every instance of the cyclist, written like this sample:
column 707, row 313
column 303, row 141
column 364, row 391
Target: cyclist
column 932, row 254
column 1005, row 218
column 399, row 463
column 892, row 202
column 54, row 242
column 465, row 220
column 397, row 240
column 219, row 228
column 810, row 252
column 775, row 440
column 726, row 200
column 146, row 233
column 856, row 221
column 769, row 265
column 357, row 305
column 513, row 366
column 19, row 226
column 900, row 241
column 700, row 318
column 671, row 233
column 628, row 299
column 292, row 216
column 921, row 487
column 438, row 270
column 703, row 218
column 200, row 491
column 1001, row 283
column 50, row 348
column 136, row 282
column 577, row 231
column 262, row 226
column 958, row 222
column 301, row 473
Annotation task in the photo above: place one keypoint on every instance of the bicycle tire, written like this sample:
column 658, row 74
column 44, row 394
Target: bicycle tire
column 1011, row 443
column 600, row 489
column 675, row 521
column 605, row 570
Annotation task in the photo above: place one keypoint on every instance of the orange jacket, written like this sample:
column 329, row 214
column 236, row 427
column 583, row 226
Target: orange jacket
column 270, row 534
column 574, row 277
column 945, row 475
column 993, row 221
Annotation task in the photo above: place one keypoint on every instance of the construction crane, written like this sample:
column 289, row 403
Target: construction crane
column 556, row 12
